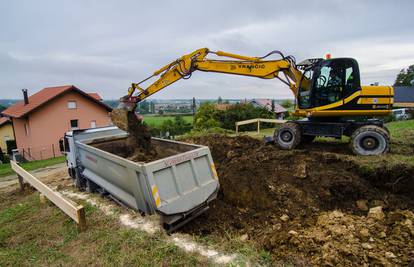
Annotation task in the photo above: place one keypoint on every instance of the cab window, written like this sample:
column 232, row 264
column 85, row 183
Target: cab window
column 334, row 80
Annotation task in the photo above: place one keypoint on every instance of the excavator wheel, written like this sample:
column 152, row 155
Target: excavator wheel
column 370, row 140
column 288, row 136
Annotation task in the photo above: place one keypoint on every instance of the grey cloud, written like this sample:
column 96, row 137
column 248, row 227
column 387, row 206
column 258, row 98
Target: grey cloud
column 105, row 45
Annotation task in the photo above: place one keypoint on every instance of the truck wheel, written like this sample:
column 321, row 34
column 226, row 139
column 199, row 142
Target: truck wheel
column 370, row 140
column 288, row 136
column 90, row 186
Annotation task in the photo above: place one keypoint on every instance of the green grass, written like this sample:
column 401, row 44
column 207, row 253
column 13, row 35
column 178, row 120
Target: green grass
column 38, row 234
column 402, row 130
column 5, row 169
column 158, row 120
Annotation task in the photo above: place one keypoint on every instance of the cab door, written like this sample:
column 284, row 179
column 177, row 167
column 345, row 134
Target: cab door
column 332, row 81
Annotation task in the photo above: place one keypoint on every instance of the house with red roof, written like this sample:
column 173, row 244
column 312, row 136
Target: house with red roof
column 40, row 120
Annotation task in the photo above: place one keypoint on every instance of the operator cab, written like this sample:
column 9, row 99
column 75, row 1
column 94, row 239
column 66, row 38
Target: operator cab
column 327, row 81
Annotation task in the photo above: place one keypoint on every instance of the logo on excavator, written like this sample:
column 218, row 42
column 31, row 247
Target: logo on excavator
column 252, row 66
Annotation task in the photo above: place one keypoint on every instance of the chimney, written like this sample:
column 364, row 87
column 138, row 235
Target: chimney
column 25, row 97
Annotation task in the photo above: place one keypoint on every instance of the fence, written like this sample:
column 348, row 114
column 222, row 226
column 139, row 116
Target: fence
column 40, row 152
column 258, row 120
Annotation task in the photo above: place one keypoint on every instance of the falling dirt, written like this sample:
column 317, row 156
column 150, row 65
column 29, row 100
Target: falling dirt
column 309, row 207
column 139, row 147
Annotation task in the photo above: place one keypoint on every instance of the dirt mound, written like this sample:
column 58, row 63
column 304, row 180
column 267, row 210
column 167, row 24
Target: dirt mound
column 292, row 202
column 139, row 146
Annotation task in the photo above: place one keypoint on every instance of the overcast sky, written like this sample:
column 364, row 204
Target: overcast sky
column 103, row 46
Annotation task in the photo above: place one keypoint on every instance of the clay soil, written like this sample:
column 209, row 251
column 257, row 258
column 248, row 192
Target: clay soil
column 310, row 206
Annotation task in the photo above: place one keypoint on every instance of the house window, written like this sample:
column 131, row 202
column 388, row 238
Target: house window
column 74, row 124
column 93, row 124
column 71, row 104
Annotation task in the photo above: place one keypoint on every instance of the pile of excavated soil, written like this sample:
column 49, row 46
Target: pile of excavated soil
column 309, row 206
column 139, row 147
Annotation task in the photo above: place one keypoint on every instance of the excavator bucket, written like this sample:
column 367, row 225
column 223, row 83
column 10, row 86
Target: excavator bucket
column 119, row 115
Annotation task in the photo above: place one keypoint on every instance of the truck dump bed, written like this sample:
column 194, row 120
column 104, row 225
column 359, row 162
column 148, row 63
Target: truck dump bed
column 178, row 186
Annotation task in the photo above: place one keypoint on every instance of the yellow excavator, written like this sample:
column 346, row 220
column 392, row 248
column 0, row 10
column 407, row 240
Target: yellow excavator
column 328, row 95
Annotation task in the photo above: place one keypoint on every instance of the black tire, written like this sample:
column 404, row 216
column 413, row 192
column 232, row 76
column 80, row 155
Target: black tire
column 307, row 139
column 90, row 186
column 288, row 136
column 386, row 130
column 370, row 140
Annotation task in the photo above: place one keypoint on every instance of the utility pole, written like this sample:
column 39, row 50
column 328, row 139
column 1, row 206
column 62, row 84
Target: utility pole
column 194, row 109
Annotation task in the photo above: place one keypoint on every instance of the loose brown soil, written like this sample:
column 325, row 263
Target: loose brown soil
column 309, row 206
column 139, row 140
column 124, row 149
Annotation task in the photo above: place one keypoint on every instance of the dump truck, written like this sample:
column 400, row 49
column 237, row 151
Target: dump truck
column 178, row 187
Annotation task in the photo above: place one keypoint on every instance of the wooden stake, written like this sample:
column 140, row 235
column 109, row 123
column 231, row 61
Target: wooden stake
column 81, row 219
column 43, row 199
column 21, row 182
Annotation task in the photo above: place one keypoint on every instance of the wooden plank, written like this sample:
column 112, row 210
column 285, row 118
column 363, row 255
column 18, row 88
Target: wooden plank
column 75, row 212
column 246, row 122
column 272, row 120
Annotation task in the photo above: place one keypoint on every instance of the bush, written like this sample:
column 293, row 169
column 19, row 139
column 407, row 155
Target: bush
column 240, row 112
column 207, row 116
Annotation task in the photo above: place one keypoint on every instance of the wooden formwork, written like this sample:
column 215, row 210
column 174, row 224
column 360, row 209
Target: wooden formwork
column 73, row 210
column 258, row 121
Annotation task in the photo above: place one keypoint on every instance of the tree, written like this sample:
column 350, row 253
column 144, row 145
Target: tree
column 405, row 77
column 143, row 107
column 240, row 112
column 2, row 108
column 287, row 103
column 207, row 116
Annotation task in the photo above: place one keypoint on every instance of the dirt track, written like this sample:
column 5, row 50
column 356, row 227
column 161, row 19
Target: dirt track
column 308, row 206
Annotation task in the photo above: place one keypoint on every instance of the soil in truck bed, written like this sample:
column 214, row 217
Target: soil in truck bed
column 309, row 207
column 125, row 149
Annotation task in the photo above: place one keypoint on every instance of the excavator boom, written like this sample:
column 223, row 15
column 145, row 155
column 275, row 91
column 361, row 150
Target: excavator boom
column 183, row 67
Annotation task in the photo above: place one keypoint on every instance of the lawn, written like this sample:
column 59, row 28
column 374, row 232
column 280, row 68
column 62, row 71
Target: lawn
column 158, row 120
column 5, row 169
column 35, row 234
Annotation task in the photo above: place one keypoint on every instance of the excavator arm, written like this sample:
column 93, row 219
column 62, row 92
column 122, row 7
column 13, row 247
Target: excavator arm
column 183, row 67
